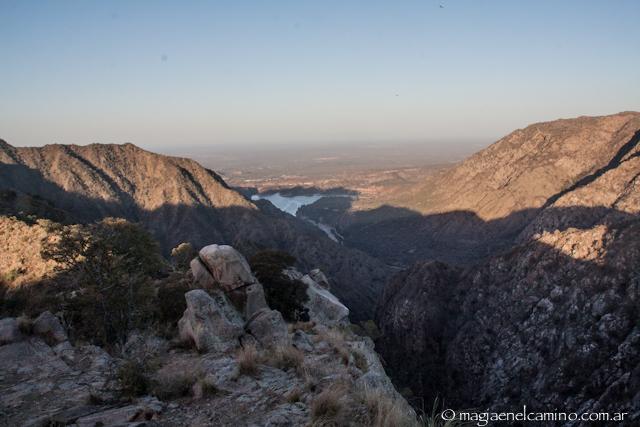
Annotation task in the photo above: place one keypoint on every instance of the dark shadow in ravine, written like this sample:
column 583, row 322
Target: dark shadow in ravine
column 537, row 325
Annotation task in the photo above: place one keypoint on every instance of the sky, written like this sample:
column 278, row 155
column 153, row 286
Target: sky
column 271, row 73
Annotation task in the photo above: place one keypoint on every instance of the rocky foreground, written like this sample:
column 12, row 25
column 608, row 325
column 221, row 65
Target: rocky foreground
column 234, row 361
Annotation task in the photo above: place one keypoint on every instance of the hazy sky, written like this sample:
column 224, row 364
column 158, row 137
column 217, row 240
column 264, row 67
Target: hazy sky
column 160, row 74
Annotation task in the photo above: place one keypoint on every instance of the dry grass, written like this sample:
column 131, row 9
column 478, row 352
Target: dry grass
column 203, row 388
column 384, row 411
column 294, row 395
column 286, row 357
column 336, row 340
column 434, row 419
column 360, row 361
column 176, row 380
column 328, row 408
column 248, row 361
column 306, row 327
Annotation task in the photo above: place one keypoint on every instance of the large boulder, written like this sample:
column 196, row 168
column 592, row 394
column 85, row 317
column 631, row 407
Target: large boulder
column 211, row 323
column 202, row 278
column 323, row 306
column 227, row 266
column 268, row 327
column 9, row 330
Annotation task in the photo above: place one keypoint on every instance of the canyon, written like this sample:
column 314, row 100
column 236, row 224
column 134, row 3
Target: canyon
column 512, row 276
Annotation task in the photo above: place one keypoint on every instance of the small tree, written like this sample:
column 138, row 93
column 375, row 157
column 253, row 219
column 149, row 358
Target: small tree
column 113, row 262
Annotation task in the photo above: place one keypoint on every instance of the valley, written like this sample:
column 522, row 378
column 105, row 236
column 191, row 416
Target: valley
column 320, row 214
column 498, row 278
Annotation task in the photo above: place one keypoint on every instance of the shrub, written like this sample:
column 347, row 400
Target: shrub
column 133, row 380
column 171, row 302
column 282, row 293
column 182, row 255
column 368, row 328
column 25, row 324
column 247, row 359
column 112, row 263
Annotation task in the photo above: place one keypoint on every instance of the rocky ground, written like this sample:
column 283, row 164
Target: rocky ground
column 233, row 362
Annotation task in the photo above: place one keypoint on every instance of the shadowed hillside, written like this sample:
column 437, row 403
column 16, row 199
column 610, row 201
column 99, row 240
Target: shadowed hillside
column 180, row 201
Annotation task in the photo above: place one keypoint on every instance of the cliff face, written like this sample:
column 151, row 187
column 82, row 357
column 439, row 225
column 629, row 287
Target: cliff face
column 554, row 321
column 180, row 201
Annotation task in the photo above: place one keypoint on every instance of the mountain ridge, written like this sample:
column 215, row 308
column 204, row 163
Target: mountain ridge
column 526, row 323
column 465, row 213
column 180, row 201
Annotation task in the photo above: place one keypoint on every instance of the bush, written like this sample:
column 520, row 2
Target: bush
column 133, row 380
column 294, row 395
column 29, row 299
column 182, row 255
column 171, row 302
column 112, row 263
column 282, row 293
column 367, row 328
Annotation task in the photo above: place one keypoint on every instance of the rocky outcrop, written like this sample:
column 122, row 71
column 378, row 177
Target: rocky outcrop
column 255, row 370
column 210, row 322
column 229, row 269
column 323, row 307
column 319, row 277
column 39, row 387
column 268, row 328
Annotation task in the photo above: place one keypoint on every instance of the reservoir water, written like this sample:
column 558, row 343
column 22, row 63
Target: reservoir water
column 288, row 204
column 291, row 204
